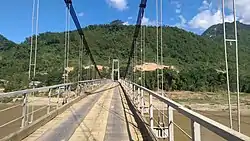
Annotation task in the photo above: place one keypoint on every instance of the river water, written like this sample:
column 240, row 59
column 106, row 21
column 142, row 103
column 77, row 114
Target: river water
column 12, row 114
column 182, row 121
column 206, row 135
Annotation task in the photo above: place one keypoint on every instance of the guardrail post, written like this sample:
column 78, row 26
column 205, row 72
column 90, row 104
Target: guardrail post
column 49, row 96
column 58, row 98
column 170, row 124
column 131, row 90
column 78, row 90
column 142, row 103
column 196, row 131
column 32, row 108
column 133, row 94
column 69, row 93
column 151, row 110
column 24, row 112
column 92, row 85
column 138, row 98
column 80, row 87
column 86, row 86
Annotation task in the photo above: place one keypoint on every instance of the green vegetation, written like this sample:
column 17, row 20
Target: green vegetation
column 198, row 59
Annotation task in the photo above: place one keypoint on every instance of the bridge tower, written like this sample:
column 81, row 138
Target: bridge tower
column 115, row 68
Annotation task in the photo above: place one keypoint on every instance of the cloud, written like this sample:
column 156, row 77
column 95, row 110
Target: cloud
column 205, row 5
column 182, row 23
column 147, row 21
column 130, row 18
column 80, row 14
column 208, row 17
column 126, row 23
column 242, row 10
column 177, row 5
column 178, row 11
column 118, row 4
column 183, row 20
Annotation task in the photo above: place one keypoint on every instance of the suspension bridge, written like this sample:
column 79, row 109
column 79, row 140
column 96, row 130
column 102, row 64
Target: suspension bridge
column 108, row 109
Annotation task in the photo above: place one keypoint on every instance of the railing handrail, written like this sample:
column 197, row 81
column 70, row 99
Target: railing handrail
column 26, row 91
column 208, row 123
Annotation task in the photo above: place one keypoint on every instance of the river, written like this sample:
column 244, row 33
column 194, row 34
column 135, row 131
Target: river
column 182, row 121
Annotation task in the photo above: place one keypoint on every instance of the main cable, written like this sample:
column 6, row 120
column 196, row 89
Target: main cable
column 81, row 33
column 136, row 32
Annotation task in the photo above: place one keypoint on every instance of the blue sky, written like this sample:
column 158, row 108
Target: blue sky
column 191, row 15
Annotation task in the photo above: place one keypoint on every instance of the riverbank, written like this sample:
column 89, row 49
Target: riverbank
column 208, row 101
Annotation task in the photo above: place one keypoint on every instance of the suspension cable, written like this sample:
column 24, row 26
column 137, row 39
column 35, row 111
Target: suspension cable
column 31, row 67
column 37, row 19
column 68, row 45
column 31, row 38
column 79, row 61
column 144, row 53
column 136, row 59
column 65, row 47
column 157, row 45
column 226, row 62
column 237, row 64
column 141, row 49
column 157, row 52
column 33, row 59
column 161, row 25
column 133, row 67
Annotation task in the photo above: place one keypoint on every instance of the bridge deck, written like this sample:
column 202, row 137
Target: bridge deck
column 103, row 115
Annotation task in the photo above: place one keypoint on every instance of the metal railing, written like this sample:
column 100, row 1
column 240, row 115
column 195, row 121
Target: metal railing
column 53, row 97
column 137, row 96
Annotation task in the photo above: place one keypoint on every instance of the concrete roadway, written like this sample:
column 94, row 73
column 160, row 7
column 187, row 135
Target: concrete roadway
column 103, row 115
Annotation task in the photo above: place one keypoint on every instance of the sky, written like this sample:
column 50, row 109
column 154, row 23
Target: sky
column 192, row 15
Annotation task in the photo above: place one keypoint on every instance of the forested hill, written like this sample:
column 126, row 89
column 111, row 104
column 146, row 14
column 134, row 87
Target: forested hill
column 186, row 51
column 215, row 33
column 5, row 43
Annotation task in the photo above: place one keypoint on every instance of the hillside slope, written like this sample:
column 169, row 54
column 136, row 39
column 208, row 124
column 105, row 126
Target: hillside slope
column 182, row 49
column 215, row 33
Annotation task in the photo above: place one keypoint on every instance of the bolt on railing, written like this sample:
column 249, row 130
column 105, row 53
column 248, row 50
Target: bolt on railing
column 137, row 94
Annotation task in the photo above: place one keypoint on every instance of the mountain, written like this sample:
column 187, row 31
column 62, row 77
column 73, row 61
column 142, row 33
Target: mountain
column 191, row 54
column 5, row 43
column 215, row 33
